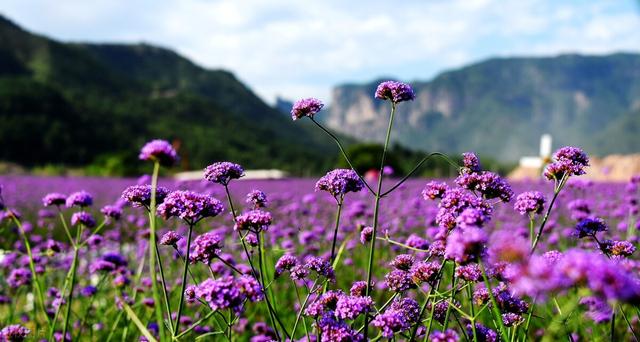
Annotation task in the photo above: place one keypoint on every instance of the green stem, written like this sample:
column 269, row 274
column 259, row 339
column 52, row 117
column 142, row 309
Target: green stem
column 165, row 292
column 32, row 267
column 344, row 154
column 376, row 212
column 74, row 267
column 302, row 306
column 335, row 230
column 152, row 252
column 425, row 159
column 184, row 279
column 453, row 293
column 194, row 325
column 556, row 191
column 495, row 308
column 473, row 311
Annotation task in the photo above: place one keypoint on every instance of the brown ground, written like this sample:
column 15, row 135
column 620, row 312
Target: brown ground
column 614, row 167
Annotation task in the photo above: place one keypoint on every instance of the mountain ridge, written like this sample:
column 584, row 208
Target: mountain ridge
column 500, row 106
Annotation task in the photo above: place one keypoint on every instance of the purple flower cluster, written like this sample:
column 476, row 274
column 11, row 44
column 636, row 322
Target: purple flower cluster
column 189, row 206
column 206, row 247
column 398, row 317
column 448, row 335
column 568, row 161
column 254, row 221
column 54, row 199
column 80, row 199
column 223, row 172
column 257, row 198
column 466, row 245
column 84, row 218
column 471, row 162
column 529, row 203
column 339, row 182
column 140, row 195
column 306, row 107
column 228, row 292
column 394, row 91
column 14, row 333
column 160, row 151
column 434, row 190
column 489, row 184
column 454, row 202
column 590, row 226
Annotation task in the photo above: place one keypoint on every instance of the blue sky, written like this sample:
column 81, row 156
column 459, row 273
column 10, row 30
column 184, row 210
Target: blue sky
column 303, row 48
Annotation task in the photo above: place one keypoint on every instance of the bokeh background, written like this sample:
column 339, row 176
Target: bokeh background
column 83, row 84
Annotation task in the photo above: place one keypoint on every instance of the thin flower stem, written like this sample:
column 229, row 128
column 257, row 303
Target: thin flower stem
column 184, row 279
column 453, row 293
column 152, row 251
column 496, row 310
column 556, row 191
column 302, row 306
column 473, row 312
column 344, row 154
column 194, row 325
column 66, row 227
column 376, row 212
column 624, row 315
column 393, row 242
column 165, row 292
column 230, row 265
column 32, row 267
column 74, row 268
column 417, row 167
column 335, row 229
column 426, row 301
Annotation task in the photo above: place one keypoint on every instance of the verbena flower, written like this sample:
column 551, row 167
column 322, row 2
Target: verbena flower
column 14, row 333
column 424, row 272
column 84, row 218
column 159, row 150
column 471, row 162
column 399, row 316
column 465, row 246
column 448, row 335
column 285, row 263
column 223, row 172
column 569, row 161
column 434, row 190
column 170, row 238
column 306, row 107
column 530, row 202
column 254, row 220
column 80, row 199
column 332, row 329
column 350, row 307
column 54, row 199
column 19, row 277
column 111, row 212
column 206, row 247
column 339, row 182
column 189, row 206
column 229, row 293
column 140, row 195
column 590, row 226
column 394, row 91
column 257, row 198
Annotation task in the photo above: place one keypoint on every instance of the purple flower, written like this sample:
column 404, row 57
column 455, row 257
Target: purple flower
column 530, row 202
column 206, row 247
column 170, row 238
column 366, row 234
column 569, row 161
column 111, row 211
column 160, row 151
column 424, row 271
column 394, row 91
column 489, row 184
column 257, row 198
column 55, row 198
column 189, row 206
column 99, row 266
column 337, row 330
column 285, row 263
column 339, row 182
column 399, row 316
column 434, row 190
column 223, row 172
column 465, row 246
column 590, row 226
column 350, row 307
column 140, row 195
column 471, row 217
column 483, row 333
column 358, row 288
column 306, row 107
column 320, row 266
column 622, row 248
column 448, row 335
column 19, row 277
column 14, row 333
column 399, row 280
column 222, row 293
column 83, row 218
column 80, row 199
column 403, row 262
column 471, row 162
column 599, row 310
column 254, row 220
column 250, row 288
column 88, row 291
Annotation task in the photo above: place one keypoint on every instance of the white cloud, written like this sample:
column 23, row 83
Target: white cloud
column 303, row 48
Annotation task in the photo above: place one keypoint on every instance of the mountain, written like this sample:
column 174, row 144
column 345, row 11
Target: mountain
column 77, row 104
column 501, row 106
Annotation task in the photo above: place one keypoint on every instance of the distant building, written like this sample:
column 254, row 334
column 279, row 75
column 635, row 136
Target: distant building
column 248, row 174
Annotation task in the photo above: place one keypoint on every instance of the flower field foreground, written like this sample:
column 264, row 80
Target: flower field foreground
column 334, row 259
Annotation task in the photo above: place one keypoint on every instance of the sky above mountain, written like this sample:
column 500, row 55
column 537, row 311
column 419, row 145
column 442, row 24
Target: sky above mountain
column 303, row 48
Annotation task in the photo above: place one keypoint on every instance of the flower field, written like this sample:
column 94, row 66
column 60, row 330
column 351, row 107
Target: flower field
column 338, row 258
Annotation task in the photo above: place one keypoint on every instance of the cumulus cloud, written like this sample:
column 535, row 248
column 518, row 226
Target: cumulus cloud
column 303, row 48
